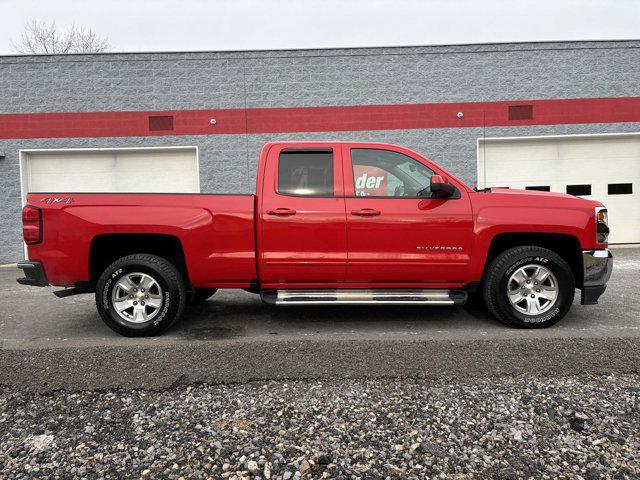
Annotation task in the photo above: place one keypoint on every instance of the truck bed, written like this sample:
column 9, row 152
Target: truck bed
column 216, row 232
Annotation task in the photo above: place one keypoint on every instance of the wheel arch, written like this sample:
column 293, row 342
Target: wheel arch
column 566, row 246
column 108, row 247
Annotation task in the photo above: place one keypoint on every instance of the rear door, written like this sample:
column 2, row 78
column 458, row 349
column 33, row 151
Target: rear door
column 302, row 215
column 395, row 232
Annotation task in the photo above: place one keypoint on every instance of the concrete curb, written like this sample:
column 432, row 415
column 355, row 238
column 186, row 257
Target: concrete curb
column 164, row 366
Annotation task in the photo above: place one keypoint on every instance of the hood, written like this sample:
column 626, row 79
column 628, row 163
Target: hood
column 537, row 195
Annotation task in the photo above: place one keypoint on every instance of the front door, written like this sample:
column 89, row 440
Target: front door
column 396, row 233
column 302, row 217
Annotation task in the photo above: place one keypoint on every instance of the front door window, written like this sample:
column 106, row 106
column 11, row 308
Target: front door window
column 383, row 173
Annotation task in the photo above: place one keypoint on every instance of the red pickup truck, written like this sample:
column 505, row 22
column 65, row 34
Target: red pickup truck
column 330, row 223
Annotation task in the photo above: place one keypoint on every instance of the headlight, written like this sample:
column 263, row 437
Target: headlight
column 602, row 225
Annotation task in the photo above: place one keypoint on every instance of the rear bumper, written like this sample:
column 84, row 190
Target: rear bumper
column 598, row 265
column 33, row 274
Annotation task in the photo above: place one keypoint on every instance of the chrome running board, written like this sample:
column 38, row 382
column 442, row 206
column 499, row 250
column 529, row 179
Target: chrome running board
column 364, row 297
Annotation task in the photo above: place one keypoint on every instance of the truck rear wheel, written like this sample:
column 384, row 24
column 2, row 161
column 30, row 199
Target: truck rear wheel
column 140, row 295
column 529, row 287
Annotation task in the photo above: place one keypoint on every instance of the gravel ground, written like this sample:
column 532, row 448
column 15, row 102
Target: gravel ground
column 568, row 427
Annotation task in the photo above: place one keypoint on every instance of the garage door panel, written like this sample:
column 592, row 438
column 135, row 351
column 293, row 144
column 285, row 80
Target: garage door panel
column 79, row 182
column 557, row 162
column 527, row 149
column 521, row 165
column 144, row 170
column 144, row 173
column 69, row 173
column 597, row 148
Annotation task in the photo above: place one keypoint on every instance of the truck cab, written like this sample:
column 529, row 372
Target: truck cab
column 362, row 215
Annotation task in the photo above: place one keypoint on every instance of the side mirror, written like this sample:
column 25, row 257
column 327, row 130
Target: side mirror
column 441, row 189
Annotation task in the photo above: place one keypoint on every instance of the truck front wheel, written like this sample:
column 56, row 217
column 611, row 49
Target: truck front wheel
column 140, row 295
column 529, row 287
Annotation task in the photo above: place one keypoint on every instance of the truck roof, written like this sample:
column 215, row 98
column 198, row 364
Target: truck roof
column 332, row 142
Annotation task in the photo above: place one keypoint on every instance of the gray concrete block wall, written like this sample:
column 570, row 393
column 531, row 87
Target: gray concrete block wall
column 107, row 85
column 462, row 77
column 216, row 80
column 163, row 81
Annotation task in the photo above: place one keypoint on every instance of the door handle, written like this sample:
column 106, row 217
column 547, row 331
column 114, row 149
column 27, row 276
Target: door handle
column 281, row 212
column 366, row 212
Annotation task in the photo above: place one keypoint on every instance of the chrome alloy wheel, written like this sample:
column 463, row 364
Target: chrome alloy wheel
column 532, row 289
column 137, row 297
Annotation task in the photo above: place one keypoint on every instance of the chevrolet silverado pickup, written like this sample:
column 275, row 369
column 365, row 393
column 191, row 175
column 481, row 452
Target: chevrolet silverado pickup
column 330, row 223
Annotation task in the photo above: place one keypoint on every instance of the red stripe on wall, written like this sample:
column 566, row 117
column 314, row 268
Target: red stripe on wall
column 319, row 119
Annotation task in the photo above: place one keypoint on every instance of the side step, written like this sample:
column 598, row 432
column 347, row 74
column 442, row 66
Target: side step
column 364, row 297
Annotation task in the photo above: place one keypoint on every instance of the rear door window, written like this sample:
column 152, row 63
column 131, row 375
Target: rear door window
column 306, row 172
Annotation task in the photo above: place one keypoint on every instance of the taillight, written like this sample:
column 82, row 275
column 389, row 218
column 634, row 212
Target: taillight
column 602, row 225
column 31, row 225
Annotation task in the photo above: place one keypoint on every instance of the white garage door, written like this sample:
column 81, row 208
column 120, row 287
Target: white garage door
column 599, row 167
column 172, row 170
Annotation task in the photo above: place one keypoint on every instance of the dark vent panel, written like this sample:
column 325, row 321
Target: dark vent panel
column 619, row 189
column 520, row 112
column 579, row 189
column 159, row 123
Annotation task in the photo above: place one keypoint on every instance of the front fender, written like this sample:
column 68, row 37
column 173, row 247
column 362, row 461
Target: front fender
column 498, row 220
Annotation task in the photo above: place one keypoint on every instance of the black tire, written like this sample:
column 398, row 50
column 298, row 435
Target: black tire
column 169, row 288
column 201, row 295
column 497, row 283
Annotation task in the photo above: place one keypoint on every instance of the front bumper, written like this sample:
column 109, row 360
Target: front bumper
column 33, row 274
column 598, row 265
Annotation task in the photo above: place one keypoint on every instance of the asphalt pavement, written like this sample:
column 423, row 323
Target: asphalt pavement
column 48, row 343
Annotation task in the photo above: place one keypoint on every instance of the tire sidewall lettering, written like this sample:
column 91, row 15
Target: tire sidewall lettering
column 522, row 261
column 165, row 308
column 107, row 286
column 547, row 316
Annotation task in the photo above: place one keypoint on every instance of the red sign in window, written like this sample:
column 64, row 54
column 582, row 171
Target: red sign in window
column 370, row 181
